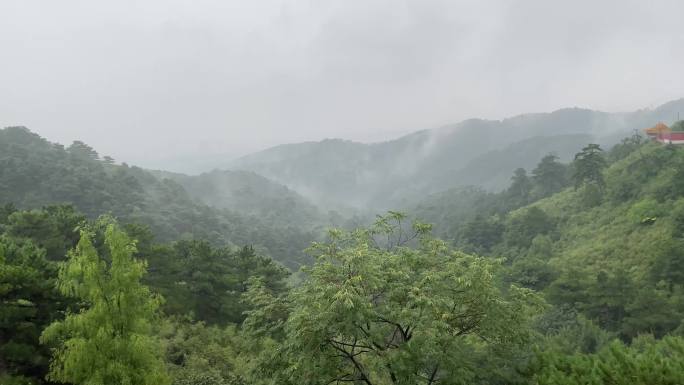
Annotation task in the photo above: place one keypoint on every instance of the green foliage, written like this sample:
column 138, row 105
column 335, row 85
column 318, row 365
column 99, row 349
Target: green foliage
column 567, row 332
column 612, row 253
column 590, row 195
column 7, row 379
column 5, row 211
column 668, row 264
column 82, row 150
column 609, row 296
column 521, row 186
column 645, row 362
column 632, row 176
column 619, row 260
column 523, row 227
column 35, row 172
column 213, row 284
column 197, row 354
column 473, row 218
column 380, row 305
column 550, row 176
column 532, row 273
column 613, row 256
column 374, row 310
column 588, row 166
column 208, row 282
column 481, row 234
column 674, row 188
column 452, row 210
column 109, row 340
column 28, row 303
column 617, row 303
column 626, row 147
column 646, row 211
column 53, row 228
column 267, row 310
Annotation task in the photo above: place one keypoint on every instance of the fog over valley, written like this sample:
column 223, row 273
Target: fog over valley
column 184, row 85
column 378, row 192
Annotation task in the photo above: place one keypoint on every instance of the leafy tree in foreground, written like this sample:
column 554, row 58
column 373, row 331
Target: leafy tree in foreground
column 376, row 311
column 109, row 341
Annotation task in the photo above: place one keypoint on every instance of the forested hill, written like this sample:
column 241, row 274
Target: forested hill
column 571, row 275
column 35, row 172
column 249, row 193
column 604, row 238
column 338, row 173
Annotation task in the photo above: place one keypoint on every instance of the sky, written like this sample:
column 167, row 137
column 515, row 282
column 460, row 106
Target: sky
column 169, row 83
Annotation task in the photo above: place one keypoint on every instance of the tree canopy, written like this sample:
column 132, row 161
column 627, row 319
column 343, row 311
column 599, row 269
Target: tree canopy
column 109, row 340
column 377, row 310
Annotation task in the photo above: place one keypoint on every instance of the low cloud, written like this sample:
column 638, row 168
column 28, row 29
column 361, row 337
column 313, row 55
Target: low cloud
column 157, row 81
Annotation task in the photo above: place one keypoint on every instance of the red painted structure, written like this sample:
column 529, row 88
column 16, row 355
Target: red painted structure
column 664, row 134
column 671, row 137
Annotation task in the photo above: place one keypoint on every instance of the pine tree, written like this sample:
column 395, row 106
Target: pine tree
column 588, row 167
column 521, row 186
column 28, row 303
column 550, row 176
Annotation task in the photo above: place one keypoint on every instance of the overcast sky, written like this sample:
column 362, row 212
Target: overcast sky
column 153, row 81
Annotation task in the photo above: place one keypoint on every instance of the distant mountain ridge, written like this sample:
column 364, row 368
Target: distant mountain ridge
column 340, row 173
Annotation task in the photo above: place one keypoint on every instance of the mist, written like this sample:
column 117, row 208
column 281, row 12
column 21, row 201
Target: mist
column 323, row 192
column 181, row 85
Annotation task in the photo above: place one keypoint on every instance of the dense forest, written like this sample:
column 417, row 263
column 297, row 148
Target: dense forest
column 571, row 274
column 35, row 172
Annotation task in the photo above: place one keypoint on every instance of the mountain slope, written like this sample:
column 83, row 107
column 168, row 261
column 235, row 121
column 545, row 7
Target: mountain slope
column 492, row 170
column 642, row 210
column 248, row 193
column 613, row 252
column 343, row 173
column 35, row 172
